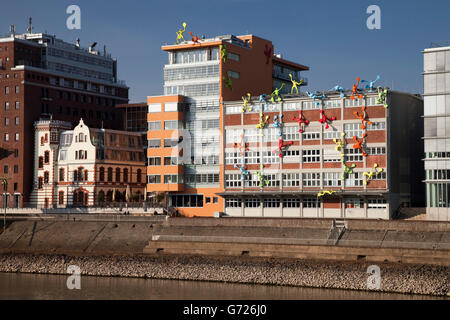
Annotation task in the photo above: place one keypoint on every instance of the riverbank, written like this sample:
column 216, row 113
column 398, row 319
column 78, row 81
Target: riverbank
column 395, row 278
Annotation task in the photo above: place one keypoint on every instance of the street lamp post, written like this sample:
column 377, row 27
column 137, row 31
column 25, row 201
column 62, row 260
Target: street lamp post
column 4, row 181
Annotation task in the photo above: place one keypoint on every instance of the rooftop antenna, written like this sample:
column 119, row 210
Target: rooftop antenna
column 77, row 43
column 12, row 29
column 104, row 50
column 30, row 25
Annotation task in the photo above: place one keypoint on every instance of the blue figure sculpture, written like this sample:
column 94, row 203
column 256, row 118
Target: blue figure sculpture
column 371, row 84
column 242, row 170
column 262, row 99
column 278, row 123
column 314, row 96
column 339, row 89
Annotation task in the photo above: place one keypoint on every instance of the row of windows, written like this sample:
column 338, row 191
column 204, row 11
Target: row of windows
column 168, row 125
column 16, row 105
column 6, row 169
column 203, row 178
column 349, row 203
column 16, row 89
column 16, row 137
column 308, row 179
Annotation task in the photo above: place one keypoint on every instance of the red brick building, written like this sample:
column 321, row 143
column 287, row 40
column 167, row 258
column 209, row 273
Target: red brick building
column 43, row 75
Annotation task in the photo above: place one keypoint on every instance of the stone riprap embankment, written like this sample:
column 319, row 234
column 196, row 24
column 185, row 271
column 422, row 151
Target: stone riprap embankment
column 399, row 278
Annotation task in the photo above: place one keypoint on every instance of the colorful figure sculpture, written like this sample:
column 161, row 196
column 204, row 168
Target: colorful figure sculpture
column 278, row 123
column 301, row 120
column 276, row 93
column 262, row 101
column 382, row 97
column 262, row 178
column 340, row 147
column 262, row 123
column 295, row 84
column 371, row 84
column 194, row 39
column 359, row 144
column 281, row 146
column 362, row 117
column 243, row 146
column 324, row 119
column 339, row 89
column 228, row 83
column 371, row 174
column 325, row 192
column 247, row 100
column 315, row 96
column 355, row 90
column 180, row 33
column 267, row 53
column 244, row 172
column 223, row 53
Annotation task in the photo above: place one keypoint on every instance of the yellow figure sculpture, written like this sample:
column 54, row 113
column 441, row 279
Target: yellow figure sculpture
column 246, row 100
column 262, row 123
column 180, row 33
column 324, row 192
column 371, row 174
column 294, row 84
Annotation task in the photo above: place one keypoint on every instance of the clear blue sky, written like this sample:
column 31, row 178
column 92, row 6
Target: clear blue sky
column 330, row 37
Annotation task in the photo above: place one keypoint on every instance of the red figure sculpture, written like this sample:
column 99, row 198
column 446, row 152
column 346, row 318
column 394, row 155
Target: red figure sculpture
column 268, row 53
column 358, row 144
column 282, row 145
column 300, row 121
column 194, row 39
column 325, row 119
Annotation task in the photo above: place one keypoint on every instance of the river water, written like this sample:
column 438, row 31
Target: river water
column 42, row 286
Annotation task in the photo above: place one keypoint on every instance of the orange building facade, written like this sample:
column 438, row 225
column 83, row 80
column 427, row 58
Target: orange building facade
column 186, row 124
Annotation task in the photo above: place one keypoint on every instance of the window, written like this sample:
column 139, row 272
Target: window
column 329, row 104
column 273, row 179
column 117, row 174
column 138, row 175
column 46, row 177
column 215, row 200
column 311, row 155
column 41, row 162
column 270, row 157
column 5, row 169
column 110, row 174
column 102, row 174
column 46, row 157
column 252, row 203
column 311, row 135
column 291, row 133
column 173, row 125
column 354, row 103
column 61, row 174
column 376, row 204
column 233, row 203
column 233, row 56
column 251, row 157
column 293, row 154
column 311, row 203
column 6, row 105
column 332, row 179
column 353, row 155
column 310, row 105
column 376, row 151
column 233, row 74
column 125, row 175
column 16, row 168
column 16, row 121
column 153, row 179
column 291, row 203
column 372, row 101
column 154, row 161
column 354, row 179
column 170, row 161
column 16, row 153
column 291, row 179
column 271, row 203
column 354, row 203
column 6, row 121
column 292, row 106
column 17, row 105
column 170, row 143
column 154, row 126
column 17, row 89
column 311, row 179
column 61, row 197
column 232, row 158
column 154, row 143
column 186, row 200
column 376, row 126
column 6, row 136
column 40, row 182
column 16, row 137
column 233, row 180
column 331, row 134
column 7, row 92
column 86, row 175
column 173, row 178
column 353, row 129
column 331, row 155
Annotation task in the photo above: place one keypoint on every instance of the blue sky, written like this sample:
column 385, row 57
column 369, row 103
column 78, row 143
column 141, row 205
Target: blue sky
column 330, row 37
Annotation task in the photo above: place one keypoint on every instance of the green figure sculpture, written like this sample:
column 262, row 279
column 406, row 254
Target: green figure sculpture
column 382, row 97
column 295, row 84
column 276, row 93
column 180, row 33
column 262, row 178
column 223, row 53
column 228, row 83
